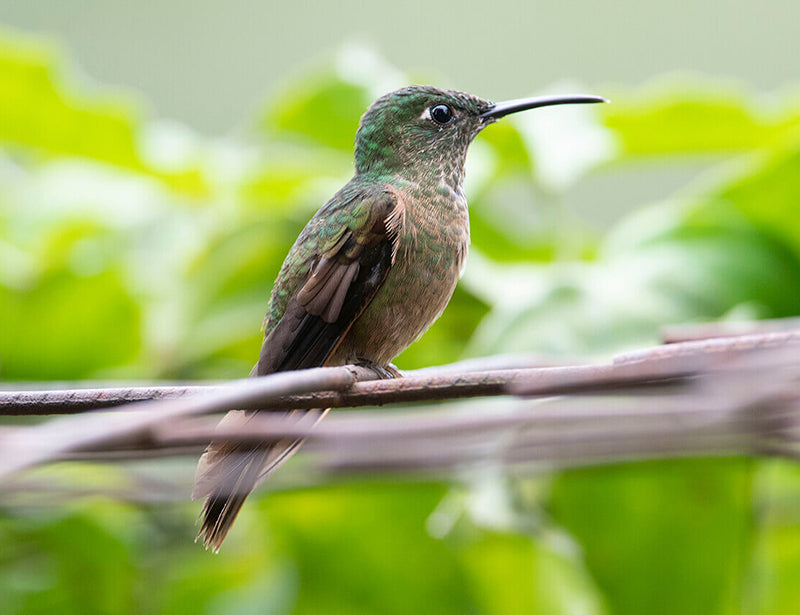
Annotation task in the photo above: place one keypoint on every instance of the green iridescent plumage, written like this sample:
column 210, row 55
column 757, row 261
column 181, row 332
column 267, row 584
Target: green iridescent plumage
column 372, row 270
column 417, row 158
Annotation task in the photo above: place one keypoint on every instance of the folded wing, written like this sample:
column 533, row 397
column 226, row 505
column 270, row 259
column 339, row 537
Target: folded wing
column 344, row 274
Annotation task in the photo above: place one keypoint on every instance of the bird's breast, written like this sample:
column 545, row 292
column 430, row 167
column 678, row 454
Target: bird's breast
column 431, row 251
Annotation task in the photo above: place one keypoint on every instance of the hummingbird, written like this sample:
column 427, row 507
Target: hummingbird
column 370, row 272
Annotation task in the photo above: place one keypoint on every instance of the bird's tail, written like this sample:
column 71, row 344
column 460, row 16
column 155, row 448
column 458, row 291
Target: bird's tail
column 229, row 471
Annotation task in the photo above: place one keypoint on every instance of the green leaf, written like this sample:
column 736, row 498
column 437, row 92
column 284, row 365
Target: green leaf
column 768, row 192
column 67, row 327
column 688, row 116
column 67, row 563
column 323, row 109
column 775, row 563
column 39, row 112
column 364, row 549
column 662, row 537
column 676, row 262
column 514, row 574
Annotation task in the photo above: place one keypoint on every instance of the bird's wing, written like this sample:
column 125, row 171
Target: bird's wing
column 345, row 273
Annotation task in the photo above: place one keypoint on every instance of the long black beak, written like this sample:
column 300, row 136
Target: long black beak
column 502, row 109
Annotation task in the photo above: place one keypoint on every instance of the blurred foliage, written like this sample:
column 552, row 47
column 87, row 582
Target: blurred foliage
column 137, row 249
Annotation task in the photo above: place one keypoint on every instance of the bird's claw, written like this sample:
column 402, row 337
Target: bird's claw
column 384, row 372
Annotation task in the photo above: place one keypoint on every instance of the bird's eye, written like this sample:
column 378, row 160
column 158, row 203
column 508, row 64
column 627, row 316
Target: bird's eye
column 442, row 114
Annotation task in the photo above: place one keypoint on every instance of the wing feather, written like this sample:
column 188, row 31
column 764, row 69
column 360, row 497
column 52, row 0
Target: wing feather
column 343, row 279
column 344, row 276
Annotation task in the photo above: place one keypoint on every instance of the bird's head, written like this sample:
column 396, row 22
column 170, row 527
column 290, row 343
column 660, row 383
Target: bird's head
column 426, row 131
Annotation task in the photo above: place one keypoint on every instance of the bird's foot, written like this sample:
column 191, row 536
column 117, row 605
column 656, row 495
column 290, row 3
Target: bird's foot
column 384, row 372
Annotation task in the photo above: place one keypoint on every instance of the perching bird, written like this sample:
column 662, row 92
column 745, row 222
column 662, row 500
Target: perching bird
column 372, row 270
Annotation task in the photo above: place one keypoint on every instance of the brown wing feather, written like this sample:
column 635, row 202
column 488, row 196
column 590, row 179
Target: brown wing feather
column 341, row 284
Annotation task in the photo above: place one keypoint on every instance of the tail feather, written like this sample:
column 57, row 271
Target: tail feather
column 228, row 472
column 224, row 502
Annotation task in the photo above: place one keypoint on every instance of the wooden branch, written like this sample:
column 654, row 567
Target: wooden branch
column 723, row 396
column 464, row 379
column 425, row 386
column 25, row 447
column 554, row 433
column 672, row 334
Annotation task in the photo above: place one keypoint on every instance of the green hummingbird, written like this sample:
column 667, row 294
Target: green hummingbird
column 371, row 271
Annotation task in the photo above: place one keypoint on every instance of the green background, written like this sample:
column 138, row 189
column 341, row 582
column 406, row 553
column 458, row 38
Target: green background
column 132, row 247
